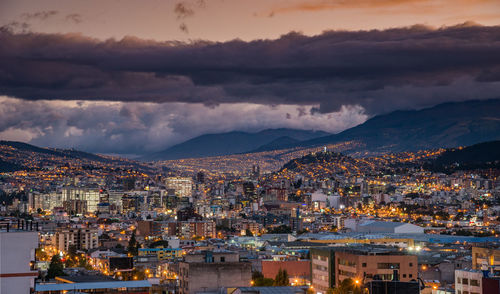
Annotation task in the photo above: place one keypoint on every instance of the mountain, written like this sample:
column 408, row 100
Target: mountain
column 479, row 156
column 442, row 126
column 7, row 167
column 70, row 153
column 16, row 156
column 233, row 142
column 276, row 144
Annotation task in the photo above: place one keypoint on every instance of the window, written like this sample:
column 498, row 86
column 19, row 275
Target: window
column 458, row 280
column 465, row 282
column 346, row 273
column 388, row 265
column 346, row 262
column 363, row 264
column 222, row 259
column 404, row 275
column 411, row 264
column 474, row 283
column 410, row 275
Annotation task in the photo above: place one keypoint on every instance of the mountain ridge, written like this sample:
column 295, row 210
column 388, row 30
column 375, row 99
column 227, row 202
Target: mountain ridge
column 465, row 123
column 230, row 143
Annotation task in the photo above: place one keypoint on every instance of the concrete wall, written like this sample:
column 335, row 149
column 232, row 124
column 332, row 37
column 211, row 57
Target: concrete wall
column 17, row 249
column 202, row 277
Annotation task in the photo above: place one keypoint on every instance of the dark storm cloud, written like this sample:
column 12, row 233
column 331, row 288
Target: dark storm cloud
column 380, row 70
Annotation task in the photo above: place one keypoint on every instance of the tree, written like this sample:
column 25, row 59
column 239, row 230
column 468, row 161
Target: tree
column 133, row 245
column 55, row 268
column 71, row 259
column 264, row 282
column 348, row 286
column 259, row 280
column 82, row 262
column 281, row 278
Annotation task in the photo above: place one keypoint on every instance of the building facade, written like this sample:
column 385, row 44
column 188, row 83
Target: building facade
column 330, row 266
column 81, row 238
column 468, row 282
column 183, row 186
column 17, row 254
column 210, row 271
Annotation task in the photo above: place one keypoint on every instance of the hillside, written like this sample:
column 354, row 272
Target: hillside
column 16, row 156
column 478, row 156
column 233, row 143
column 442, row 126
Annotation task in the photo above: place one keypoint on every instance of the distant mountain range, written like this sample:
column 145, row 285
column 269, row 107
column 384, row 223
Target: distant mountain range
column 442, row 126
column 234, row 142
column 445, row 125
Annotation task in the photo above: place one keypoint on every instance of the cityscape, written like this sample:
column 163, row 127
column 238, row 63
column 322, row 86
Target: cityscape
column 250, row 147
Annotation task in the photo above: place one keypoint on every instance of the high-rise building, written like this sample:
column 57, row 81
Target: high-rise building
column 45, row 201
column 82, row 239
column 183, row 186
column 90, row 195
column 73, row 207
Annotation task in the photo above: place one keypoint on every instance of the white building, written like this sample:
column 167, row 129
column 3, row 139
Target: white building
column 45, row 201
column 468, row 282
column 183, row 186
column 17, row 251
column 371, row 226
column 92, row 196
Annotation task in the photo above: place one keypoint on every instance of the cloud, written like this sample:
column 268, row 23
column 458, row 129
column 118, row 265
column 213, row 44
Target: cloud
column 380, row 70
column 16, row 27
column 186, row 9
column 135, row 127
column 74, row 17
column 39, row 15
column 182, row 10
column 183, row 27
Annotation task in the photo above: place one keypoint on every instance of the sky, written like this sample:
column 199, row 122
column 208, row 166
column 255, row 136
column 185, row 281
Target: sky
column 132, row 77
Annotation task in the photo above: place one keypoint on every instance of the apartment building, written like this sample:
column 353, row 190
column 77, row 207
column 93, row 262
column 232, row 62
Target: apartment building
column 362, row 263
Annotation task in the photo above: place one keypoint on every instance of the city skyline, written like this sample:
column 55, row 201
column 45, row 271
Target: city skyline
column 99, row 78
